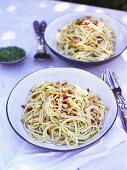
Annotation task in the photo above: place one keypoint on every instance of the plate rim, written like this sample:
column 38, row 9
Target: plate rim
column 51, row 149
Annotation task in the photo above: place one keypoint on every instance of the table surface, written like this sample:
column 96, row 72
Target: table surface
column 16, row 19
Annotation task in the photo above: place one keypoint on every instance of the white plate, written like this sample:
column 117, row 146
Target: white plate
column 119, row 30
column 79, row 77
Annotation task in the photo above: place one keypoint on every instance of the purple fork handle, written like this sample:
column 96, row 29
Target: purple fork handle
column 36, row 26
column 43, row 26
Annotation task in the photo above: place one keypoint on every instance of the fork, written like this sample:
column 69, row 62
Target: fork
column 41, row 54
column 110, row 78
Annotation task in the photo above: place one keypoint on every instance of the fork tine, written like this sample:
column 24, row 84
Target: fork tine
column 103, row 76
column 109, row 78
column 114, row 80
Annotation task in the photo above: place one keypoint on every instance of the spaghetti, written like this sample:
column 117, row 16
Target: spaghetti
column 87, row 39
column 63, row 113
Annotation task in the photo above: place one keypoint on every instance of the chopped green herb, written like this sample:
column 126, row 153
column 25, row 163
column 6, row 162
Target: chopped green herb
column 11, row 54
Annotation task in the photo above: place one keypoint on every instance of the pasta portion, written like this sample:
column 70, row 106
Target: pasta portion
column 87, row 39
column 63, row 114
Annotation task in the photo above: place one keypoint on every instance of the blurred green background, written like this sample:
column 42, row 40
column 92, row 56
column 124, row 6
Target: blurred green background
column 113, row 4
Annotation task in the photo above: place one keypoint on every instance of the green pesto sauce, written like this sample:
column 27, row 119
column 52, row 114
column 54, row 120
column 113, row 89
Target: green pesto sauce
column 11, row 54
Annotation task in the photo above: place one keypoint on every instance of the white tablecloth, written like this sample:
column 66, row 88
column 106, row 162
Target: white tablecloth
column 16, row 18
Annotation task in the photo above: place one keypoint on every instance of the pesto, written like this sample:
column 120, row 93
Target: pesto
column 11, row 54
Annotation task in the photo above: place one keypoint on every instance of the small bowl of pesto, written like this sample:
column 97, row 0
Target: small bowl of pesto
column 12, row 51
